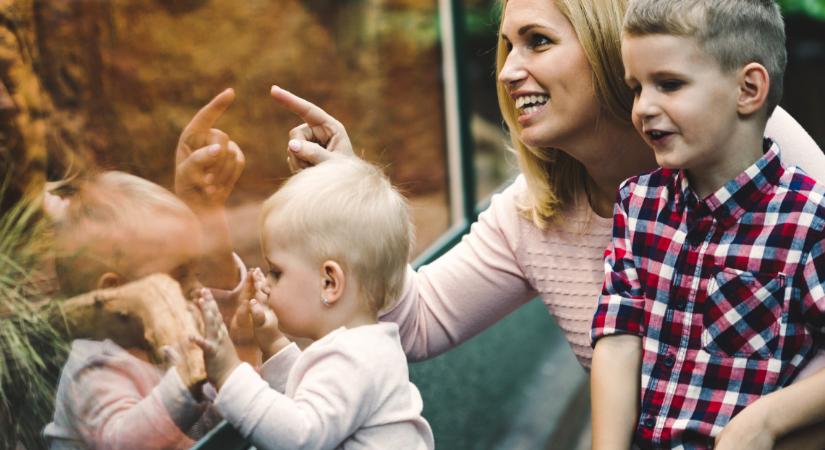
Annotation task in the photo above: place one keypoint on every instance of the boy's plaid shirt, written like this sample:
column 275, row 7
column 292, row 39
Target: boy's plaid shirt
column 726, row 292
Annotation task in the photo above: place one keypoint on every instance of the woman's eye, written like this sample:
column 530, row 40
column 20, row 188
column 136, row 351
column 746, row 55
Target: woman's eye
column 274, row 274
column 538, row 40
column 671, row 85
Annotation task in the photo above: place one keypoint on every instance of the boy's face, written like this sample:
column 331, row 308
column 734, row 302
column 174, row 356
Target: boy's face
column 685, row 105
column 295, row 285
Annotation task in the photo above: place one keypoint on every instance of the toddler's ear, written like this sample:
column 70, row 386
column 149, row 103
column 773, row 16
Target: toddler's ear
column 754, row 85
column 334, row 281
column 109, row 280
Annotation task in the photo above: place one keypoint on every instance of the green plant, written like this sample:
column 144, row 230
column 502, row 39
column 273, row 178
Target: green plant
column 814, row 9
column 33, row 349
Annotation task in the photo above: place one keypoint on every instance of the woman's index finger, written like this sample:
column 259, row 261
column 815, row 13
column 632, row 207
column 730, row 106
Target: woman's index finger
column 312, row 114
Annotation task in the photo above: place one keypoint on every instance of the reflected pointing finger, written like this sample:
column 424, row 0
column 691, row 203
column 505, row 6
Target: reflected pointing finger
column 206, row 117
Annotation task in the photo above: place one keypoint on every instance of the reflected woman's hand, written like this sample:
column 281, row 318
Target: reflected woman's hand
column 319, row 138
column 207, row 162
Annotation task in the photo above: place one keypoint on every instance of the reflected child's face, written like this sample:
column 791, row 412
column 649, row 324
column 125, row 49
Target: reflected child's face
column 170, row 245
column 685, row 105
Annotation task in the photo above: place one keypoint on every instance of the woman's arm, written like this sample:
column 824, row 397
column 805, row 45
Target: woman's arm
column 795, row 144
column 207, row 166
column 784, row 412
column 472, row 286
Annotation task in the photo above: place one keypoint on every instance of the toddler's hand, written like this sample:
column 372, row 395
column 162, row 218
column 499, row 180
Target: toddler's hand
column 218, row 351
column 207, row 162
column 255, row 315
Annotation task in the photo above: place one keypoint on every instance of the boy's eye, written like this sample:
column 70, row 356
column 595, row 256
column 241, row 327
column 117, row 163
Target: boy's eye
column 671, row 85
column 274, row 274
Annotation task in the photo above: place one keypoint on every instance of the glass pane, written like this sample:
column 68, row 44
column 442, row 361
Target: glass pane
column 95, row 83
column 494, row 163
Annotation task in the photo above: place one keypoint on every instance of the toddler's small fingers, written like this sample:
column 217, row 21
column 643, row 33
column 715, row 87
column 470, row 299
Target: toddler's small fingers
column 199, row 341
column 170, row 355
column 258, row 314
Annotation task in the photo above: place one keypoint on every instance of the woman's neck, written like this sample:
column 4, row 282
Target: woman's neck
column 620, row 154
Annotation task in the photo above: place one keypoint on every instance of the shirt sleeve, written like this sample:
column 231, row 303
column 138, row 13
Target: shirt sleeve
column 621, row 307
column 111, row 412
column 333, row 399
column 275, row 370
column 472, row 286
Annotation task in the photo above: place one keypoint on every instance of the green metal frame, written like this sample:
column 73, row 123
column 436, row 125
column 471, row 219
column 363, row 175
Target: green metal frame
column 226, row 437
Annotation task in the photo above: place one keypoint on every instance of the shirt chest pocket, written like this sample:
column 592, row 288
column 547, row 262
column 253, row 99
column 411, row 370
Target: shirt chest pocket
column 743, row 314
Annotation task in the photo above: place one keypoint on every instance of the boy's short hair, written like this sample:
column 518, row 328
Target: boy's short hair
column 733, row 32
column 346, row 210
column 109, row 213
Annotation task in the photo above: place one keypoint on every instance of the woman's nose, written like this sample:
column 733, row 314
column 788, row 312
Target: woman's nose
column 513, row 69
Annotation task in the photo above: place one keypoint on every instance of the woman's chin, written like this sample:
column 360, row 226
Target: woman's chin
column 532, row 138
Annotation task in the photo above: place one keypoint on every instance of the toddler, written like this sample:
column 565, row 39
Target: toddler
column 336, row 240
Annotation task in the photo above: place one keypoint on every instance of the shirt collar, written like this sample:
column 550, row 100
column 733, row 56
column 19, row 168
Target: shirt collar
column 738, row 195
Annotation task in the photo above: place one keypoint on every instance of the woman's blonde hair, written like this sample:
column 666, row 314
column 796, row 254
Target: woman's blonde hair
column 555, row 180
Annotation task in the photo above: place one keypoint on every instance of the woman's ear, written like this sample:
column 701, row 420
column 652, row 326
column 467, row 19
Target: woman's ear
column 109, row 280
column 754, row 85
column 334, row 281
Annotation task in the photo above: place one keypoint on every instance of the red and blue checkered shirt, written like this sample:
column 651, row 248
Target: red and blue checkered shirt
column 726, row 293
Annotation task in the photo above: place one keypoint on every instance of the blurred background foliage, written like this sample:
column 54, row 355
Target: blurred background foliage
column 814, row 9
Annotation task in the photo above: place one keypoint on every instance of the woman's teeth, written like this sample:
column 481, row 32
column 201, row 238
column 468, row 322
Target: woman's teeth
column 530, row 103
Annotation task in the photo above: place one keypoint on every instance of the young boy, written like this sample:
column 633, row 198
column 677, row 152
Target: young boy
column 713, row 294
column 336, row 239
column 118, row 228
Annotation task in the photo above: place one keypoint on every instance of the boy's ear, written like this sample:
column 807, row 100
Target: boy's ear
column 109, row 280
column 333, row 281
column 754, row 84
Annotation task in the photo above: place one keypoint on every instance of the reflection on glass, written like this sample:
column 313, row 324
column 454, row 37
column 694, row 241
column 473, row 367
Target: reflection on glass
column 494, row 164
column 93, row 83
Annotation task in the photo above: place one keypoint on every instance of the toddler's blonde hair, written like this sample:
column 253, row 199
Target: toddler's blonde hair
column 345, row 210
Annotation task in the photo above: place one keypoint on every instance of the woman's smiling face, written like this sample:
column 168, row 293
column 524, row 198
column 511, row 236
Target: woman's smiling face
column 547, row 75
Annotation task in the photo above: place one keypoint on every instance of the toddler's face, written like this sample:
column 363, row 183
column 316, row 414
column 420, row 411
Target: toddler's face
column 295, row 285
column 685, row 105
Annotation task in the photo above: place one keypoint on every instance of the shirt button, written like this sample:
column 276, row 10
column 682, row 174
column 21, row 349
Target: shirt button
column 680, row 305
column 669, row 361
column 649, row 422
